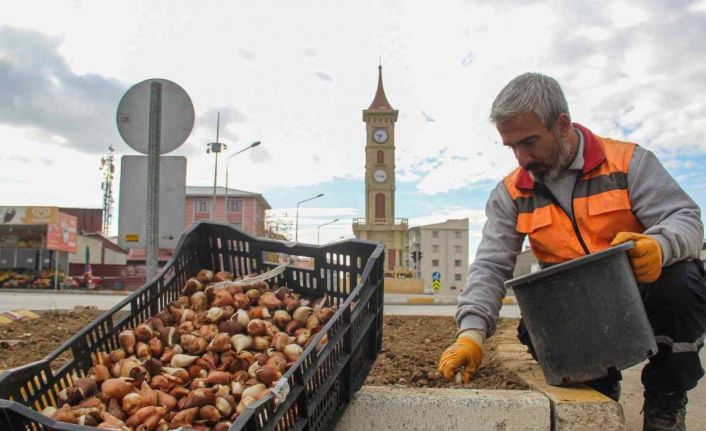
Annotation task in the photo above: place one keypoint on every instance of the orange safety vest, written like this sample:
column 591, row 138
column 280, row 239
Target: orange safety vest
column 600, row 200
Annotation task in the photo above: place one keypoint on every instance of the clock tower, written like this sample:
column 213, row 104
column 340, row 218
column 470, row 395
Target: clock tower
column 380, row 223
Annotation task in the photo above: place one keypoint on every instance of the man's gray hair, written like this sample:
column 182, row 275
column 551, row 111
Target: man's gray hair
column 530, row 92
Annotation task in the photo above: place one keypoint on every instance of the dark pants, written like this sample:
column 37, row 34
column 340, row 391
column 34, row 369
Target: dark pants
column 676, row 308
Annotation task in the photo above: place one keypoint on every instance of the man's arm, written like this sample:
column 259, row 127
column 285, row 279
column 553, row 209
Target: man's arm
column 479, row 304
column 664, row 209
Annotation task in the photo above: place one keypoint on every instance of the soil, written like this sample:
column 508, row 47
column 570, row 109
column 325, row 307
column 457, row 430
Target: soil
column 39, row 337
column 411, row 349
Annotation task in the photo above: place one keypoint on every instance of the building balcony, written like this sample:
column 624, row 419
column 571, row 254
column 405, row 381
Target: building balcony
column 382, row 221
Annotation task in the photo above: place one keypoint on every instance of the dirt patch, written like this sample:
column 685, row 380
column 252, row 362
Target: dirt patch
column 41, row 336
column 411, row 349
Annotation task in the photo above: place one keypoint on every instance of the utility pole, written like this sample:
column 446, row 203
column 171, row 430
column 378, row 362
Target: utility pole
column 107, row 169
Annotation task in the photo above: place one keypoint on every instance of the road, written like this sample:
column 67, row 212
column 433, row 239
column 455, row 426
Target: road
column 632, row 387
column 50, row 301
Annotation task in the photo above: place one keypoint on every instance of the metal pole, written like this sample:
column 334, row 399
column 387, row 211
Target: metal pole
column 215, row 176
column 216, row 149
column 296, row 225
column 153, row 178
column 225, row 209
column 56, row 270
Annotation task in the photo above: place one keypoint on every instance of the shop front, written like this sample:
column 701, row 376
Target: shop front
column 35, row 243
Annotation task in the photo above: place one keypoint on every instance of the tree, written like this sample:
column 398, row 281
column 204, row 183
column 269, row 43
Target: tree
column 278, row 226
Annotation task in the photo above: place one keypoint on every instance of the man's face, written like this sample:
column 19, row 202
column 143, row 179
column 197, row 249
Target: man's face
column 542, row 152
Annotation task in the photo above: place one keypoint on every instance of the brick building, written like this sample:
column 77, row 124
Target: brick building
column 244, row 210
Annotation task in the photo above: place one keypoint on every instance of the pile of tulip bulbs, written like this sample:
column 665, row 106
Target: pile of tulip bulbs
column 200, row 361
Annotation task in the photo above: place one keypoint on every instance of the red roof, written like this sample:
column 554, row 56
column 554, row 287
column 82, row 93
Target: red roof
column 380, row 101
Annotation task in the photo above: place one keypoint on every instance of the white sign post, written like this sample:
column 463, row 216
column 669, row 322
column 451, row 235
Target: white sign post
column 154, row 117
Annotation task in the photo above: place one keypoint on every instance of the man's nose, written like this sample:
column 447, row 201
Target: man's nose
column 523, row 156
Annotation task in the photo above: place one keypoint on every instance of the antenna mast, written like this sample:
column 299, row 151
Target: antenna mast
column 107, row 169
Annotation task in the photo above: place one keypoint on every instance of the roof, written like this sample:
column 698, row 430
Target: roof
column 106, row 242
column 380, row 101
column 207, row 191
column 452, row 224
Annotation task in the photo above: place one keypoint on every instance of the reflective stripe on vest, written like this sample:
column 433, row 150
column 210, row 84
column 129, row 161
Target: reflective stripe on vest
column 601, row 204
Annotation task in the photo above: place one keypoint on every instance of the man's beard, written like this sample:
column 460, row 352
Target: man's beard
column 562, row 158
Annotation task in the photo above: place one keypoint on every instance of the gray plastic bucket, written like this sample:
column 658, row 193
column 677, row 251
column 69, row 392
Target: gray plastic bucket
column 585, row 316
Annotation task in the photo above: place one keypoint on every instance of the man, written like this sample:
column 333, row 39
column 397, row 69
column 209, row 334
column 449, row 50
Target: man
column 576, row 193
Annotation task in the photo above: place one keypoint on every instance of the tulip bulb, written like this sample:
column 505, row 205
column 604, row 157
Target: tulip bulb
column 205, row 276
column 117, row 388
column 244, row 403
column 127, row 341
column 301, row 314
column 224, row 407
column 241, row 342
column 181, row 361
column 292, row 352
column 254, row 390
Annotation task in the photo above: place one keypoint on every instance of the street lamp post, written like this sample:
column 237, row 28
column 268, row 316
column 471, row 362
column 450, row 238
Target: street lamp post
column 253, row 145
column 318, row 229
column 296, row 227
column 215, row 148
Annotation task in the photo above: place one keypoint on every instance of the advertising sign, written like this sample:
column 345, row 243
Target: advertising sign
column 62, row 235
column 28, row 215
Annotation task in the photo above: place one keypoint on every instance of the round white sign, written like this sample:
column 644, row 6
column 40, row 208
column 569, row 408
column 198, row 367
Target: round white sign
column 177, row 116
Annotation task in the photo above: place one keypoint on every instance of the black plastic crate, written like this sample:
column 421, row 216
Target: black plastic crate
column 321, row 384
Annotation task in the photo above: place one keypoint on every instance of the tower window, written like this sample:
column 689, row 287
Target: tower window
column 381, row 156
column 380, row 206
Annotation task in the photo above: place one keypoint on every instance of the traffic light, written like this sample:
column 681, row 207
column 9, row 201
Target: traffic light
column 419, row 255
column 414, row 256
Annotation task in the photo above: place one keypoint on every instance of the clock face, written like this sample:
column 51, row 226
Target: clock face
column 380, row 176
column 380, row 135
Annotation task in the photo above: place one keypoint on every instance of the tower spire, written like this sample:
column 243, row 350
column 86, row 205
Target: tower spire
column 380, row 101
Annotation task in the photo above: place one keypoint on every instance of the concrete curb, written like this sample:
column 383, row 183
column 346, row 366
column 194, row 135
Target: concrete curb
column 572, row 408
column 432, row 300
column 389, row 408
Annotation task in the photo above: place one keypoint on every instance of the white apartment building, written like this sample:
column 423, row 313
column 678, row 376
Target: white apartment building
column 444, row 251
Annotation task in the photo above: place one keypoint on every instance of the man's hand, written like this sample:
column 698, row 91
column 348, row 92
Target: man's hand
column 464, row 353
column 645, row 257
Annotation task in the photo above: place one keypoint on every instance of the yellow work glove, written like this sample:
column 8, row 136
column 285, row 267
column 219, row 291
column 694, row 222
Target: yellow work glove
column 464, row 353
column 645, row 257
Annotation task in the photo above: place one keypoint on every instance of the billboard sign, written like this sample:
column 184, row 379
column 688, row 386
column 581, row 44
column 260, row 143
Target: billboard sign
column 28, row 215
column 62, row 234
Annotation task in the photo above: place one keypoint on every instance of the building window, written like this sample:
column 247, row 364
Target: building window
column 381, row 156
column 434, row 248
column 457, row 234
column 457, row 249
column 457, row 262
column 435, row 262
column 203, row 205
column 435, row 234
column 380, row 206
column 235, row 205
column 453, row 287
column 457, row 277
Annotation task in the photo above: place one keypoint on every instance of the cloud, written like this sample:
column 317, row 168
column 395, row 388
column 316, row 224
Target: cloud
column 309, row 52
column 323, row 76
column 246, row 55
column 468, row 59
column 41, row 94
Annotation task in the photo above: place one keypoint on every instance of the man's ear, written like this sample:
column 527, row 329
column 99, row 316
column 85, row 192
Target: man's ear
column 563, row 124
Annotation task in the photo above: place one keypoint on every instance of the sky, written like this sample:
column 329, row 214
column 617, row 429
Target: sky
column 296, row 76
